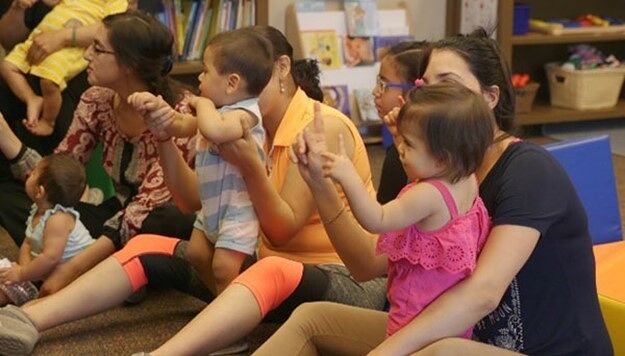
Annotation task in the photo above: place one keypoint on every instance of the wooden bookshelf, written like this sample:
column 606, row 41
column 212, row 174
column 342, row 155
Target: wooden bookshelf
column 533, row 38
column 528, row 53
column 194, row 67
column 187, row 68
column 543, row 113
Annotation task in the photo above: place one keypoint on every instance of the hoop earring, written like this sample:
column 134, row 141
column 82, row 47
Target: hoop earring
column 282, row 89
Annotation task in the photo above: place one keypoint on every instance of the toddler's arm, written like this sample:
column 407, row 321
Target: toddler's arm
column 413, row 206
column 55, row 235
column 24, row 256
column 161, row 118
column 219, row 127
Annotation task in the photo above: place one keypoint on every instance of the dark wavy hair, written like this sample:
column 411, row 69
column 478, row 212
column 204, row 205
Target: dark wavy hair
column 144, row 45
column 487, row 64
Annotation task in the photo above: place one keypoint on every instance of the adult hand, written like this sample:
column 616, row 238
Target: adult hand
column 243, row 152
column 157, row 114
column 45, row 44
column 308, row 149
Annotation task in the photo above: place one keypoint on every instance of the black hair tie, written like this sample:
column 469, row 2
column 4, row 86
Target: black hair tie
column 168, row 64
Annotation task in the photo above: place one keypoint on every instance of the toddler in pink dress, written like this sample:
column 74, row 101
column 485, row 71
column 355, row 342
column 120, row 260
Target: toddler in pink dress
column 434, row 230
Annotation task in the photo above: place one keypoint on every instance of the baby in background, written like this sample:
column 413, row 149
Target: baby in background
column 58, row 68
column 434, row 230
column 237, row 66
column 54, row 232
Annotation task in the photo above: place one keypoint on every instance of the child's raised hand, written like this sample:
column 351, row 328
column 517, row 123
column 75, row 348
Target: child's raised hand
column 338, row 166
column 390, row 119
column 309, row 146
column 11, row 275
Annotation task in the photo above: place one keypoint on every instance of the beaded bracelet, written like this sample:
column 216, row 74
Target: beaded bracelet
column 335, row 217
column 73, row 43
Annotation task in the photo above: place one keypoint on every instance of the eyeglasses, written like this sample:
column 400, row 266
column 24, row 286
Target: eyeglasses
column 98, row 51
column 381, row 85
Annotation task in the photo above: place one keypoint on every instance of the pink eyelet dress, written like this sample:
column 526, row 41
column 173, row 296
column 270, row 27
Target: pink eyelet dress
column 424, row 264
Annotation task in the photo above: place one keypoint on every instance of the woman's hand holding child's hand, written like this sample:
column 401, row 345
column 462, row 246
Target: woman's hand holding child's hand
column 158, row 115
column 12, row 274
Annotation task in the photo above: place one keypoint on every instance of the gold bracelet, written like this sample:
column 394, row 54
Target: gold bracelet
column 335, row 217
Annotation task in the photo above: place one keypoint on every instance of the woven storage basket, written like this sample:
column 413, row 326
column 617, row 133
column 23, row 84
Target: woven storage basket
column 586, row 88
column 525, row 97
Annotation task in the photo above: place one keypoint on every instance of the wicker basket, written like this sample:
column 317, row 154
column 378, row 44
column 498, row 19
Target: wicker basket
column 584, row 89
column 525, row 97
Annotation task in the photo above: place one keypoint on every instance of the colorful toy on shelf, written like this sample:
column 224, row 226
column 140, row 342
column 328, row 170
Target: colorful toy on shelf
column 587, row 23
column 584, row 56
column 525, row 90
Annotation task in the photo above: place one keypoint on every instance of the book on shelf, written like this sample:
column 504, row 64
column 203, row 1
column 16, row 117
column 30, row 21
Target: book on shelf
column 358, row 51
column 366, row 106
column 193, row 22
column 310, row 5
column 323, row 46
column 381, row 44
column 337, row 96
column 361, row 17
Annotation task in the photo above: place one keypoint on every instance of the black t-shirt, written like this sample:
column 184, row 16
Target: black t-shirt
column 551, row 306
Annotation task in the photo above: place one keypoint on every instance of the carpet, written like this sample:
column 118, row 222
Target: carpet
column 615, row 128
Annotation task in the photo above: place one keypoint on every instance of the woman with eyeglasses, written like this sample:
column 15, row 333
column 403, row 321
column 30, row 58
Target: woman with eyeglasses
column 130, row 52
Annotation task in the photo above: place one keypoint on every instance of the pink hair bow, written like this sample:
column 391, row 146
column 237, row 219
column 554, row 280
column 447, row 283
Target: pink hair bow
column 418, row 83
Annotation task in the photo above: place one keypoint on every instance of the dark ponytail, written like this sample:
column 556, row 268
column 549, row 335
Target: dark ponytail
column 305, row 74
column 144, row 45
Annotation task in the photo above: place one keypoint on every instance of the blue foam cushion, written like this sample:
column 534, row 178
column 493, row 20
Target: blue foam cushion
column 589, row 164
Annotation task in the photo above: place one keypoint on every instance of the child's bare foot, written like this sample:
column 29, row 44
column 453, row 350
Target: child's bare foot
column 34, row 107
column 41, row 128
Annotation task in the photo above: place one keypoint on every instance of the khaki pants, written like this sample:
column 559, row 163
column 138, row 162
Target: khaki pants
column 324, row 328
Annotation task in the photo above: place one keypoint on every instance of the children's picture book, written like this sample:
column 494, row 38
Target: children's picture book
column 366, row 105
column 337, row 96
column 381, row 44
column 358, row 51
column 310, row 5
column 322, row 46
column 361, row 17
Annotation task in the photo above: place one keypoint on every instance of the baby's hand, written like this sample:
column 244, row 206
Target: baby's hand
column 158, row 115
column 144, row 102
column 12, row 274
column 337, row 166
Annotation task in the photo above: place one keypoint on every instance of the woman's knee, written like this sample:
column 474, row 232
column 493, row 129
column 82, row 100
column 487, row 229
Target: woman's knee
column 271, row 280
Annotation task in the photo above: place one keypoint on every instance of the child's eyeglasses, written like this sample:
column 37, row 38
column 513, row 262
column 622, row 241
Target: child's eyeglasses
column 381, row 85
column 98, row 51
